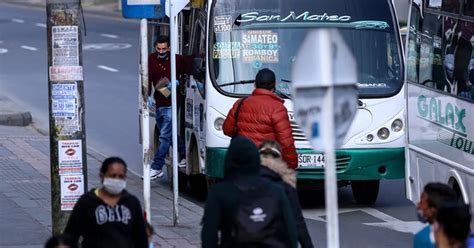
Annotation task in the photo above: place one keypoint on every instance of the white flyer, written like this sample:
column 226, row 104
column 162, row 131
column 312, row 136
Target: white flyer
column 65, row 45
column 70, row 157
column 72, row 187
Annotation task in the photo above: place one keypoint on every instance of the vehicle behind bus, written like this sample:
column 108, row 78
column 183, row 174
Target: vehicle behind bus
column 440, row 97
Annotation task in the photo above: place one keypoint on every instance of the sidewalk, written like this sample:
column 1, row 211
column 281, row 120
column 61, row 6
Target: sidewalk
column 25, row 197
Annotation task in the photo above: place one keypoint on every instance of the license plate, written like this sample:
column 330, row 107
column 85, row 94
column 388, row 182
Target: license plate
column 311, row 160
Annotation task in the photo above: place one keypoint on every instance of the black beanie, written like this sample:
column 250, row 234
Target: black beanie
column 242, row 157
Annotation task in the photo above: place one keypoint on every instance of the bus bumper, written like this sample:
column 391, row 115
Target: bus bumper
column 352, row 164
column 362, row 164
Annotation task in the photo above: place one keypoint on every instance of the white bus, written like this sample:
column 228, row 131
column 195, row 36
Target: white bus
column 230, row 40
column 440, row 97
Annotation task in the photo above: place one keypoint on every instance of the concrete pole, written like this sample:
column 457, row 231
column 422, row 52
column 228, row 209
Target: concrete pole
column 68, row 153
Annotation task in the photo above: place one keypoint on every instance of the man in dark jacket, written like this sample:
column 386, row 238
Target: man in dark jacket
column 275, row 169
column 263, row 116
column 242, row 164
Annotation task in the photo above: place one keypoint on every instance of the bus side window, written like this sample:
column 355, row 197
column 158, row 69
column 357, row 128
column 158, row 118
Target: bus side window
column 451, row 6
column 469, row 7
column 198, row 54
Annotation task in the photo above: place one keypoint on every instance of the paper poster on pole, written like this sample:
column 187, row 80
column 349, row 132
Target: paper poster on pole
column 72, row 187
column 70, row 157
column 64, row 100
column 65, row 45
column 65, row 73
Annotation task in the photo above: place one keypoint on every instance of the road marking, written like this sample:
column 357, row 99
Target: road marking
column 18, row 20
column 103, row 67
column 3, row 50
column 113, row 36
column 389, row 222
column 29, row 48
column 41, row 25
column 106, row 46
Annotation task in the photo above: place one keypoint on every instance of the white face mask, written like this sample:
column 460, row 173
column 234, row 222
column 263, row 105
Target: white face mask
column 114, row 186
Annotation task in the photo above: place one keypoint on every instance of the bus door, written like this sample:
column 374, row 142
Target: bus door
column 195, row 97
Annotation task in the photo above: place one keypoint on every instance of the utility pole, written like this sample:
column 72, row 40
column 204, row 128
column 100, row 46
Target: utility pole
column 68, row 153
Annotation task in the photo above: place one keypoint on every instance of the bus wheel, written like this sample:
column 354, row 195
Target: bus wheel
column 199, row 186
column 198, row 181
column 365, row 192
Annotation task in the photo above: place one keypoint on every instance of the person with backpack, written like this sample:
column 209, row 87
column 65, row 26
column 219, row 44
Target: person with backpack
column 275, row 169
column 244, row 210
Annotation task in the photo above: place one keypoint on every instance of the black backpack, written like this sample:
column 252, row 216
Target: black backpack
column 258, row 220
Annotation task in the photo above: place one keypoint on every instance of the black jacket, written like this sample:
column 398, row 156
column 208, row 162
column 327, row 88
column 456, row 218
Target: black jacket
column 241, row 166
column 103, row 226
column 276, row 171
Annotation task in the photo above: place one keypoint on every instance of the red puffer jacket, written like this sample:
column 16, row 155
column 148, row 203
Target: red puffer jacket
column 263, row 117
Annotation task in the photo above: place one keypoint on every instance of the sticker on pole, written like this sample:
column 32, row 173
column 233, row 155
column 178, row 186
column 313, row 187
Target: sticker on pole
column 70, row 157
column 72, row 187
column 312, row 79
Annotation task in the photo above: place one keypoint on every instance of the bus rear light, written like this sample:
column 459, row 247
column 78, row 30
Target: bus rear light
column 218, row 123
column 383, row 133
column 397, row 125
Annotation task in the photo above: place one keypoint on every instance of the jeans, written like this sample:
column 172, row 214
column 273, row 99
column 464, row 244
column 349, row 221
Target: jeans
column 163, row 120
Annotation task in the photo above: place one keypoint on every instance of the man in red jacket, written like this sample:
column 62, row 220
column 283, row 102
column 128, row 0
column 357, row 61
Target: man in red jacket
column 262, row 116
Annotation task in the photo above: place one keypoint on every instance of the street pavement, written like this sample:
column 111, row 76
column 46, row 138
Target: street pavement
column 25, row 194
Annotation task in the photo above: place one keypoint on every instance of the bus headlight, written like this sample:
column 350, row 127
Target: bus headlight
column 370, row 137
column 397, row 125
column 218, row 123
column 383, row 133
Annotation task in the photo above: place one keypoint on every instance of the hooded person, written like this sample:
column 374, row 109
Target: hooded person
column 275, row 169
column 225, row 199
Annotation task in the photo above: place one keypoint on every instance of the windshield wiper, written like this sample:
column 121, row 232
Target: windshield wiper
column 237, row 82
column 282, row 95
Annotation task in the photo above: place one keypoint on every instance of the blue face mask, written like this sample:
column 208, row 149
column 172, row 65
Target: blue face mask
column 420, row 216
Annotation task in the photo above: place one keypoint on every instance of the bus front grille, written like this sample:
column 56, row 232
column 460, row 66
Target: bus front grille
column 298, row 134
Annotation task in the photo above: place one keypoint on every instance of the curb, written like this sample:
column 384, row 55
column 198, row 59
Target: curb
column 16, row 119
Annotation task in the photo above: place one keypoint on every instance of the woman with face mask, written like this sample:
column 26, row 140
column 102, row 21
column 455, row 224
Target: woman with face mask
column 109, row 216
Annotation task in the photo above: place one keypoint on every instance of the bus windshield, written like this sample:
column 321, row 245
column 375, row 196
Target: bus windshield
column 248, row 35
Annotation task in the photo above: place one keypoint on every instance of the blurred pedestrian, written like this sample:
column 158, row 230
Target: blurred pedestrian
column 452, row 225
column 262, row 116
column 243, row 210
column 275, row 169
column 434, row 195
column 60, row 241
column 109, row 216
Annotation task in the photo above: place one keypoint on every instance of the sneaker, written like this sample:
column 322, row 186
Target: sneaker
column 182, row 163
column 154, row 174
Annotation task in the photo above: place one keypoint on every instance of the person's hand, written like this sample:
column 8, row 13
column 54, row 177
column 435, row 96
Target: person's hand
column 150, row 102
column 169, row 85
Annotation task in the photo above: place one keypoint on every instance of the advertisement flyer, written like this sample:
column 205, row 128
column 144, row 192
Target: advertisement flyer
column 64, row 97
column 72, row 187
column 65, row 45
column 70, row 157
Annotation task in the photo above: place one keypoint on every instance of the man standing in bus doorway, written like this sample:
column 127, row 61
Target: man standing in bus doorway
column 434, row 195
column 159, row 70
column 262, row 116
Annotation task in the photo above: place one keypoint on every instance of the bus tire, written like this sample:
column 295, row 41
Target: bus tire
column 197, row 181
column 365, row 192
